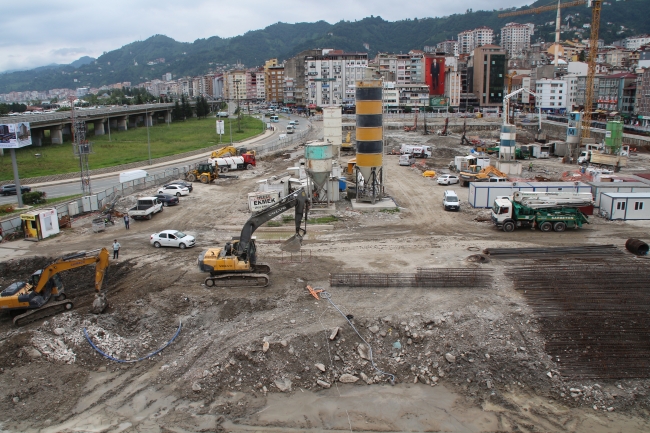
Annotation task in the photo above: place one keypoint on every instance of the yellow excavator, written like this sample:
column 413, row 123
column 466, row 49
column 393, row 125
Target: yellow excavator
column 476, row 174
column 347, row 145
column 44, row 294
column 235, row 265
column 230, row 151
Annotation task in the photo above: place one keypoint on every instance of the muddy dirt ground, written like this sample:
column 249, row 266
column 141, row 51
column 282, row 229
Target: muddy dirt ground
column 276, row 359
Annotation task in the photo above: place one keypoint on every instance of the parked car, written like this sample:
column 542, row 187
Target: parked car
column 448, row 179
column 172, row 238
column 10, row 189
column 174, row 189
column 167, row 199
column 450, row 200
column 187, row 185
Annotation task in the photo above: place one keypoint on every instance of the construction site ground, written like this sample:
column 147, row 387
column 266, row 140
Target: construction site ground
column 272, row 359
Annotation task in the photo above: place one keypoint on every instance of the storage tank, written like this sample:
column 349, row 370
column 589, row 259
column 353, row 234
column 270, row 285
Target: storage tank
column 574, row 131
column 614, row 136
column 508, row 142
column 332, row 127
column 370, row 140
column 318, row 164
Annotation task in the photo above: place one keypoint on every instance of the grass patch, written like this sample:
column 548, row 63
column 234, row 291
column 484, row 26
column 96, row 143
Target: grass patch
column 125, row 146
column 323, row 220
column 393, row 210
column 274, row 224
column 288, row 218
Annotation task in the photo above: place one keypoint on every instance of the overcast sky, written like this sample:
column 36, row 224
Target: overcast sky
column 41, row 32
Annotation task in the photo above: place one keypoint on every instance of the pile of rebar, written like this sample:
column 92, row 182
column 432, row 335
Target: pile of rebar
column 425, row 277
column 595, row 318
column 553, row 252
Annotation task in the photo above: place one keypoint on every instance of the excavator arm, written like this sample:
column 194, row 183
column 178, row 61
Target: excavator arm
column 298, row 199
column 100, row 259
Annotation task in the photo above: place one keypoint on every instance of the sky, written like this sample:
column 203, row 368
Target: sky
column 41, row 32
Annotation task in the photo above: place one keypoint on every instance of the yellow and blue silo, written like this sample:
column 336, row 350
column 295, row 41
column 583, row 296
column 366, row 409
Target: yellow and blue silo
column 370, row 141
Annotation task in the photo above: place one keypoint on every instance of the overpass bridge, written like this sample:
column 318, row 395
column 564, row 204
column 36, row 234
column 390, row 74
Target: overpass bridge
column 119, row 118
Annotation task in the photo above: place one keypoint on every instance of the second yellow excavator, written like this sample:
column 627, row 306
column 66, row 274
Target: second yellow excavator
column 476, row 174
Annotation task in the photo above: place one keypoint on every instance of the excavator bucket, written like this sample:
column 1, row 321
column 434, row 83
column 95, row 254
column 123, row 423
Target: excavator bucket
column 99, row 304
column 293, row 244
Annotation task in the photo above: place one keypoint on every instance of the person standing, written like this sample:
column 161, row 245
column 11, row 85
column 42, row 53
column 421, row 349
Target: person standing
column 116, row 249
column 126, row 220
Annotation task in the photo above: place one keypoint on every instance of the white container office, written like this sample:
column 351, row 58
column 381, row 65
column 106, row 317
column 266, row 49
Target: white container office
column 597, row 188
column 559, row 187
column 483, row 194
column 625, row 206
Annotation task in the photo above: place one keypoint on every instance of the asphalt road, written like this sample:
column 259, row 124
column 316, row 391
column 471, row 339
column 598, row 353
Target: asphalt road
column 73, row 186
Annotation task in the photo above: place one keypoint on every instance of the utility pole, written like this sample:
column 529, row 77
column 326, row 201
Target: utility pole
column 146, row 121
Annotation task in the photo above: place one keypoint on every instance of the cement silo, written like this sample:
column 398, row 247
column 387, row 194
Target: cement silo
column 574, row 133
column 332, row 126
column 318, row 156
column 370, row 141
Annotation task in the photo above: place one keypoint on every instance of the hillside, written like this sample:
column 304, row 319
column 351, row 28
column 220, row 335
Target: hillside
column 130, row 63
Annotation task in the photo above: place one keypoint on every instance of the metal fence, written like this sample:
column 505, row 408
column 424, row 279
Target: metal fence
column 285, row 140
column 104, row 198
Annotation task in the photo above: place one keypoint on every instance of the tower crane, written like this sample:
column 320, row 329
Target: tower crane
column 596, row 6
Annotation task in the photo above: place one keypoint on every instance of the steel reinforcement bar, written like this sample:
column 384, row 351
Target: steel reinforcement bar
column 431, row 278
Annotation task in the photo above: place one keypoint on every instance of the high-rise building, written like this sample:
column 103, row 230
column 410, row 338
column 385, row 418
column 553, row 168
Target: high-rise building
column 515, row 38
column 330, row 77
column 489, row 70
column 448, row 47
column 274, row 83
column 235, row 85
column 294, row 74
column 470, row 39
column 551, row 95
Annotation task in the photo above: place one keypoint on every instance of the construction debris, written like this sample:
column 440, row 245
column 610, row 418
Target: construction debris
column 425, row 277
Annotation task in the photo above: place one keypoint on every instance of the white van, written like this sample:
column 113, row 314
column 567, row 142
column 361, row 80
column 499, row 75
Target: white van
column 128, row 176
column 275, row 119
column 290, row 129
column 406, row 159
column 450, row 200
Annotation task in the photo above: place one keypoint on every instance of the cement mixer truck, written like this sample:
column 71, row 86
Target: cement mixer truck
column 546, row 210
column 243, row 162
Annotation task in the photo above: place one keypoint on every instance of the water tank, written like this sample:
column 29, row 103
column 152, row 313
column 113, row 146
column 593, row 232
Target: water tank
column 318, row 161
column 614, row 135
column 369, row 132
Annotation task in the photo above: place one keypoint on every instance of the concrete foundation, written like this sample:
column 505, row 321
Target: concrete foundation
column 99, row 127
column 383, row 204
column 508, row 167
column 122, row 123
column 56, row 134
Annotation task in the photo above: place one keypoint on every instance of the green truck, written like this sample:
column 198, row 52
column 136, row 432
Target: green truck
column 546, row 210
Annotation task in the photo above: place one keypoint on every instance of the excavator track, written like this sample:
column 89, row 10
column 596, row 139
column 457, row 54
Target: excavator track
column 50, row 309
column 238, row 280
column 261, row 268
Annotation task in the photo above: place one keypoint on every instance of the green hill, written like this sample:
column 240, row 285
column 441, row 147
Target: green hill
column 130, row 63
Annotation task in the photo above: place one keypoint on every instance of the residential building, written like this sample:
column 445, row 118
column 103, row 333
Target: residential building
column 447, row 47
column 471, row 39
column 217, row 87
column 453, row 82
column 515, row 38
column 571, row 90
column 274, row 83
column 294, row 69
column 617, row 93
column 643, row 98
column 581, row 90
column 413, row 96
column 81, row 91
column 551, row 95
column 330, row 77
column 488, row 75
column 235, row 85
column 417, row 66
column 260, row 93
column 636, row 42
column 390, row 97
column 395, row 66
column 289, row 91
column 618, row 57
column 251, row 84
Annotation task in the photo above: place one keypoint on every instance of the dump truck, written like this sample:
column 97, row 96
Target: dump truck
column 546, row 210
column 605, row 160
column 475, row 173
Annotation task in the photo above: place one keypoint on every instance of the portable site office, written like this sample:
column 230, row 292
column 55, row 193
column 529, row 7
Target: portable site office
column 483, row 194
column 625, row 205
column 598, row 188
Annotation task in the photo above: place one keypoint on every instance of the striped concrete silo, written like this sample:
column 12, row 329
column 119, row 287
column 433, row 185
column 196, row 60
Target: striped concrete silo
column 370, row 141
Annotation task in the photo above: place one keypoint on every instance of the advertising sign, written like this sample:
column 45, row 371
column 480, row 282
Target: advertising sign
column 434, row 74
column 220, row 127
column 15, row 135
column 438, row 102
column 261, row 200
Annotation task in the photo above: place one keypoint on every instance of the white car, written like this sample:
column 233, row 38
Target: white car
column 177, row 190
column 172, row 238
column 448, row 179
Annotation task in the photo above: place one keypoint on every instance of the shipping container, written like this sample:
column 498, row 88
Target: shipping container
column 598, row 188
column 625, row 205
column 483, row 194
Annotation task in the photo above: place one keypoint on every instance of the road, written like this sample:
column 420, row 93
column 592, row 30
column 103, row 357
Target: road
column 72, row 186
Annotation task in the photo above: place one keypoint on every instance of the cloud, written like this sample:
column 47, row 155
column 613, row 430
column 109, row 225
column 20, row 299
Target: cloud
column 37, row 32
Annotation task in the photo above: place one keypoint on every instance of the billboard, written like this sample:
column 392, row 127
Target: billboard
column 434, row 74
column 438, row 102
column 15, row 135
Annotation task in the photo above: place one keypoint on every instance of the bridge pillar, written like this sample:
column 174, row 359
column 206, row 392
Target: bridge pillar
column 168, row 116
column 37, row 137
column 56, row 134
column 122, row 123
column 99, row 127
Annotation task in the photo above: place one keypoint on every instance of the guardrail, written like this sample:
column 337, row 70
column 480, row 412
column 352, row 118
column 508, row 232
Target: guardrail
column 282, row 142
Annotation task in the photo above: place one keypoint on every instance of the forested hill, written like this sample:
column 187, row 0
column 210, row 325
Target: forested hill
column 132, row 62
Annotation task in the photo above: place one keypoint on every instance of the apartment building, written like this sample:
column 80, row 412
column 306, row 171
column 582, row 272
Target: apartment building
column 274, row 84
column 448, row 47
column 453, row 82
column 260, row 79
column 413, row 96
column 515, row 38
column 330, row 77
column 471, row 39
column 251, row 84
column 294, row 71
column 235, row 85
column 390, row 97
column 617, row 93
column 643, row 98
column 636, row 42
column 581, row 89
column 488, row 75
column 618, row 58
column 397, row 66
column 572, row 90
column 551, row 95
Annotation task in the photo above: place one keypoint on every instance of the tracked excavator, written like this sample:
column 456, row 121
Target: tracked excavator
column 44, row 294
column 235, row 265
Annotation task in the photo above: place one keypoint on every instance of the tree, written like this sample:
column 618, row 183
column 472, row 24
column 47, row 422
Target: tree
column 200, row 109
column 186, row 107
